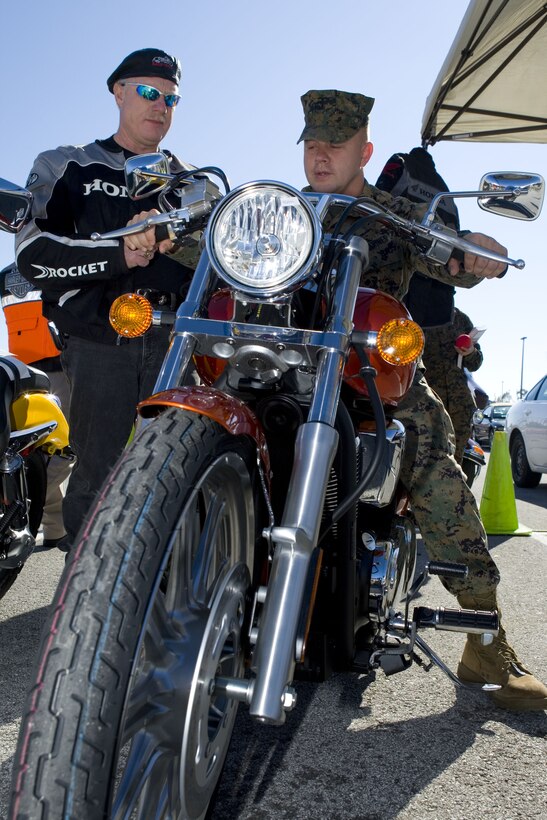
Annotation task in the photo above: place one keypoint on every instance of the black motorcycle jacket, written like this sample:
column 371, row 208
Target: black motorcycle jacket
column 79, row 190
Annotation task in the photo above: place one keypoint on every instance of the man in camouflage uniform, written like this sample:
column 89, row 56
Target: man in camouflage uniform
column 414, row 176
column 444, row 363
column 336, row 149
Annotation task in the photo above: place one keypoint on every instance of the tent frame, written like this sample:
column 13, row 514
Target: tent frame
column 465, row 68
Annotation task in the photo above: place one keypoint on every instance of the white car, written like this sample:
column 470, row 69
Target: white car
column 526, row 426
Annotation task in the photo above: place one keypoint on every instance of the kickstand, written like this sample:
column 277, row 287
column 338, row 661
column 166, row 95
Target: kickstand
column 434, row 659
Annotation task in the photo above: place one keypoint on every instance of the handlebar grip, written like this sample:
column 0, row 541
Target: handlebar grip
column 458, row 255
column 162, row 232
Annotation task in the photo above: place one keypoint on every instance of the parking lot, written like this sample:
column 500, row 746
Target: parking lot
column 362, row 747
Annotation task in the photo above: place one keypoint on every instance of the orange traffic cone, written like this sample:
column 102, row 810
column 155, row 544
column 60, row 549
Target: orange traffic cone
column 498, row 507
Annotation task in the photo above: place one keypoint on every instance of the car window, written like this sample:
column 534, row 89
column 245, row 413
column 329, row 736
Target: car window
column 533, row 393
column 542, row 392
column 499, row 412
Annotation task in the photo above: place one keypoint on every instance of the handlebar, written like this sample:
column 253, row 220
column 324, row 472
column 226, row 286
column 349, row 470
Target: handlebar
column 443, row 241
column 180, row 220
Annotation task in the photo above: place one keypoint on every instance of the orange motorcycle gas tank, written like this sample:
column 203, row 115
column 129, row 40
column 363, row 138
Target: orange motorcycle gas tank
column 372, row 309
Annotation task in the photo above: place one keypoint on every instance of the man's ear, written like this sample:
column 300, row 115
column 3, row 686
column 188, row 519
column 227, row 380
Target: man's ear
column 118, row 93
column 366, row 153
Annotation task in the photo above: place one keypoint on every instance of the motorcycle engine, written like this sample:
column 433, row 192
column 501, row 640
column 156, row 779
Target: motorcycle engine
column 386, row 572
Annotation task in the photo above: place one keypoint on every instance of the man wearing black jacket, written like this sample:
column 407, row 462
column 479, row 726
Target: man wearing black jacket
column 79, row 190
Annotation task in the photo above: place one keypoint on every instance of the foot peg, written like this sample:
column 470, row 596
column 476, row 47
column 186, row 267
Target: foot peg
column 448, row 569
column 457, row 620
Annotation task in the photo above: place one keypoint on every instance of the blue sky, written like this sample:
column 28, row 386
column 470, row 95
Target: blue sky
column 245, row 65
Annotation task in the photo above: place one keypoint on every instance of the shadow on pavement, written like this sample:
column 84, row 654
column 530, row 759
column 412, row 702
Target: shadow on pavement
column 533, row 495
column 381, row 767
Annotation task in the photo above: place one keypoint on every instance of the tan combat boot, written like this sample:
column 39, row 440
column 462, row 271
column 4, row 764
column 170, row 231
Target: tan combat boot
column 498, row 663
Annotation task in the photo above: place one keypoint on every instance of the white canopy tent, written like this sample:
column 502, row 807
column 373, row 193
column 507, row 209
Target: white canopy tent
column 492, row 86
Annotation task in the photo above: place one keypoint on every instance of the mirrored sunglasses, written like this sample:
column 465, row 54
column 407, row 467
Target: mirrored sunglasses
column 152, row 94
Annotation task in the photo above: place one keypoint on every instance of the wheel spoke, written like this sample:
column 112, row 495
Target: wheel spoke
column 160, row 632
column 159, row 678
column 143, row 777
column 205, row 571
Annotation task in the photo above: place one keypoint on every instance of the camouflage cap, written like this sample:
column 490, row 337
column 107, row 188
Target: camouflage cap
column 334, row 116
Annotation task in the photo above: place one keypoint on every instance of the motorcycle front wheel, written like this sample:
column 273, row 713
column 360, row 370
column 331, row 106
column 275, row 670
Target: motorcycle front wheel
column 123, row 720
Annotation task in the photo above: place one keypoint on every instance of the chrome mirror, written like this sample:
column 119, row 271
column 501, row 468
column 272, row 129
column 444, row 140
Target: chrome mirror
column 15, row 205
column 146, row 174
column 517, row 195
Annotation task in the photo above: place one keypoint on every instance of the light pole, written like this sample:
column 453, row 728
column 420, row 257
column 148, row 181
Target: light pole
column 523, row 339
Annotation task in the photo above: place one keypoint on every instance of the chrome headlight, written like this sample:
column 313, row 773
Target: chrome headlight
column 263, row 238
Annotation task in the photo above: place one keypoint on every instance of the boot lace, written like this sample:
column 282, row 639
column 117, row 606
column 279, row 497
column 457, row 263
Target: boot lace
column 507, row 653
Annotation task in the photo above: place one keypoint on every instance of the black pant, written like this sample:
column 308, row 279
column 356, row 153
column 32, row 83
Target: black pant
column 106, row 383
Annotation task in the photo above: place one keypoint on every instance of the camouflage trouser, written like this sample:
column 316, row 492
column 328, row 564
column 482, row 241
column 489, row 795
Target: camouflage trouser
column 444, row 507
column 460, row 411
column 462, row 430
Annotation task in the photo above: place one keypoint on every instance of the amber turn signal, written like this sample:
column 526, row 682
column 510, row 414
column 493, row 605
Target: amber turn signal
column 131, row 315
column 400, row 341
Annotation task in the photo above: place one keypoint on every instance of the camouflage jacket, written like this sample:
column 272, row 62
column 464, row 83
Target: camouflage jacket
column 393, row 259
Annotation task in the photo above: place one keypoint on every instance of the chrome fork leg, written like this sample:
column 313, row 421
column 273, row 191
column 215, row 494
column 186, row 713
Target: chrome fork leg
column 295, row 539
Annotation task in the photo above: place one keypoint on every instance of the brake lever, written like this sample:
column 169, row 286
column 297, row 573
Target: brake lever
column 128, row 230
column 447, row 244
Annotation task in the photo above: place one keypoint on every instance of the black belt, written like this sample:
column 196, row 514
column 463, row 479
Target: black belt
column 160, row 298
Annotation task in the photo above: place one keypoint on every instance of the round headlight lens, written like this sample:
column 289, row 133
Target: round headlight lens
column 263, row 238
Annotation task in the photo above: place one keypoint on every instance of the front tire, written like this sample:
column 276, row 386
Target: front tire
column 523, row 476
column 149, row 610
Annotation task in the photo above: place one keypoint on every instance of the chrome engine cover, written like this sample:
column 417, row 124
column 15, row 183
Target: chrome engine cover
column 392, row 570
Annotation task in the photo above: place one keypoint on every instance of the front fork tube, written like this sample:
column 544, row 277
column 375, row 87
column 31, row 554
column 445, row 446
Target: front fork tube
column 295, row 539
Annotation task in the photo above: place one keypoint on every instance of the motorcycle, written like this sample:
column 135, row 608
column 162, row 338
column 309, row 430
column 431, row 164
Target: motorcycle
column 473, row 460
column 254, row 532
column 32, row 429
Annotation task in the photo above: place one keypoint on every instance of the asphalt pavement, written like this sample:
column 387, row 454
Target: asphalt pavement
column 409, row 746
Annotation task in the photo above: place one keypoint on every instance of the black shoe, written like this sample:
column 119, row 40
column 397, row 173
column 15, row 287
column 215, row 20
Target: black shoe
column 62, row 544
column 50, row 543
